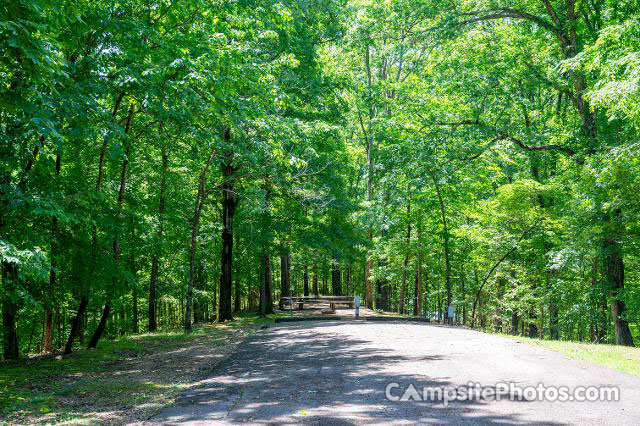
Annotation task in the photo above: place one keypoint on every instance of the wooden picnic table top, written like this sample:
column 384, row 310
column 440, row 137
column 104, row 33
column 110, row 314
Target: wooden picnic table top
column 322, row 298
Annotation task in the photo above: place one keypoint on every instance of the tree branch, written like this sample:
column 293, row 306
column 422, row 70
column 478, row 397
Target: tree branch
column 502, row 13
column 550, row 147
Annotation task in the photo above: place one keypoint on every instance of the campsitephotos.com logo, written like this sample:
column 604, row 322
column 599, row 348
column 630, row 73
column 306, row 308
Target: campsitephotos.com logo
column 500, row 391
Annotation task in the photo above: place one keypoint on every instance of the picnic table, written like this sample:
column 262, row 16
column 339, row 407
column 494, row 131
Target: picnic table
column 331, row 300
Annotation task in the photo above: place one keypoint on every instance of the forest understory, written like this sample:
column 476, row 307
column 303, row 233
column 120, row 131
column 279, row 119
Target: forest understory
column 125, row 381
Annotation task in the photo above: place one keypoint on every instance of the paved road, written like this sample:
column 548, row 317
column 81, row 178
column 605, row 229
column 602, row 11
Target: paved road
column 337, row 373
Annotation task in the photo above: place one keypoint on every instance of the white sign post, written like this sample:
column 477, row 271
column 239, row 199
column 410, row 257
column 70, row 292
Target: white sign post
column 357, row 305
column 451, row 313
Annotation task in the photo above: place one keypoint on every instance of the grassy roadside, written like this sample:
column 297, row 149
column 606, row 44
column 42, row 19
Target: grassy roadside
column 122, row 381
column 620, row 358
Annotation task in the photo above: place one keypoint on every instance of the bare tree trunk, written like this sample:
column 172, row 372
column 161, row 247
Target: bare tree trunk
column 285, row 285
column 501, row 283
column 336, row 284
column 315, row 280
column 439, row 302
column 325, row 279
column 269, row 285
column 614, row 275
column 263, row 286
column 426, row 293
column 195, row 228
column 370, row 170
column 266, row 291
column 447, row 262
column 116, row 239
column 403, row 288
column 464, row 294
column 48, row 314
column 237, row 295
column 553, row 311
column 533, row 326
column 417, row 309
column 134, row 274
column 306, row 280
column 157, row 249
column 77, row 324
column 229, row 204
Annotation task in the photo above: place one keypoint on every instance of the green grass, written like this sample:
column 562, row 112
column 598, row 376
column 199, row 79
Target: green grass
column 620, row 358
column 77, row 387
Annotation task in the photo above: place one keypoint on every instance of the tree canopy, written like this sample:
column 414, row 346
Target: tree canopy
column 159, row 158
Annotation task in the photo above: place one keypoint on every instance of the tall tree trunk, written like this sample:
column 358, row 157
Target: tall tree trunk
column 553, row 311
column 237, row 295
column 425, row 304
column 614, row 275
column 263, row 286
column 370, row 170
column 285, row 284
column 269, row 286
column 416, row 292
column 157, row 249
column 417, row 311
column 134, row 275
column 266, row 291
column 403, row 288
column 266, row 306
column 514, row 322
column 116, row 239
column 439, row 302
column 464, row 294
column 515, row 318
column 229, row 204
column 48, row 313
column 306, row 280
column 325, row 279
column 77, row 323
column 336, row 284
column 195, row 228
column 315, row 280
column 367, row 277
column 533, row 325
column 447, row 263
column 501, row 283
column 476, row 278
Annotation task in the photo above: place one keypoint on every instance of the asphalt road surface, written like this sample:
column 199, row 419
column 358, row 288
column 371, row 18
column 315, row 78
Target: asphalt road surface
column 338, row 372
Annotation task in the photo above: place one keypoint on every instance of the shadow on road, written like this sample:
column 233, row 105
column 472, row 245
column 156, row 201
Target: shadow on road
column 310, row 373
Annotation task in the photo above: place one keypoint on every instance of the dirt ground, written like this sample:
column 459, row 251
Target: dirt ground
column 121, row 382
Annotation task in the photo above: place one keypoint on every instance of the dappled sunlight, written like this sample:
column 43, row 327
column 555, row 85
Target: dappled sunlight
column 326, row 372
